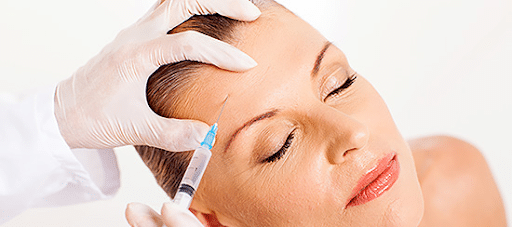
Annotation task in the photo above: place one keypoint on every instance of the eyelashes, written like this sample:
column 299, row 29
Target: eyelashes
column 282, row 151
column 344, row 86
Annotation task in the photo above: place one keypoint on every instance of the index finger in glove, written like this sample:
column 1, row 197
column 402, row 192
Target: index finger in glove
column 175, row 216
column 191, row 45
column 138, row 214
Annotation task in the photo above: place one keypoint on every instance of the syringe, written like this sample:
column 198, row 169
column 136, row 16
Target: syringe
column 196, row 167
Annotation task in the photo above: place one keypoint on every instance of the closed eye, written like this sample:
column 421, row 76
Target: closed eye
column 282, row 151
column 350, row 80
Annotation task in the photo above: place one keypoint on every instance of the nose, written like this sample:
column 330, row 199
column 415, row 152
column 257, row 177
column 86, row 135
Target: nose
column 342, row 134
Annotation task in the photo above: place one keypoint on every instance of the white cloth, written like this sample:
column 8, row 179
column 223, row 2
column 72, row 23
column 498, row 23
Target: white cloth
column 37, row 168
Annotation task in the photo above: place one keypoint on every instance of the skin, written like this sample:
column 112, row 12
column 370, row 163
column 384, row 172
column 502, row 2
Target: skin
column 337, row 139
column 457, row 184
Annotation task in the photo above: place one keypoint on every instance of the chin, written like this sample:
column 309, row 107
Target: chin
column 408, row 209
column 403, row 205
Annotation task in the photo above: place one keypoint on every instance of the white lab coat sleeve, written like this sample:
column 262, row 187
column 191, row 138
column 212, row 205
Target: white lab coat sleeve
column 37, row 168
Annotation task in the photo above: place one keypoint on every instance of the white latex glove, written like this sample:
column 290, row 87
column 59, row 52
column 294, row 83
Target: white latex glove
column 103, row 105
column 141, row 215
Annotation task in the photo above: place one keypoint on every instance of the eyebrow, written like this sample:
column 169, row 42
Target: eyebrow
column 319, row 59
column 260, row 117
column 272, row 113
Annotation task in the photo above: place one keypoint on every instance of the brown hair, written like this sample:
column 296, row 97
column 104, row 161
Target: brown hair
column 165, row 90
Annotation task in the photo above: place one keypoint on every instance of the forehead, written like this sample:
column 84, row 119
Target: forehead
column 285, row 48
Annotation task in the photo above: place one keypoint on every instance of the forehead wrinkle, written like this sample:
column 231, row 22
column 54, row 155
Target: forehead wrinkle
column 266, row 115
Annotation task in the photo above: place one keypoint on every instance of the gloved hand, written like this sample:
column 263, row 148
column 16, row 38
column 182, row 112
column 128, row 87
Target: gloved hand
column 142, row 215
column 103, row 105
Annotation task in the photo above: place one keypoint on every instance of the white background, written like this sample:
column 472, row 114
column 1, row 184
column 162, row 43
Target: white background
column 443, row 66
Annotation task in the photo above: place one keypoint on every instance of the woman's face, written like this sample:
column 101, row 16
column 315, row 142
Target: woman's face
column 300, row 136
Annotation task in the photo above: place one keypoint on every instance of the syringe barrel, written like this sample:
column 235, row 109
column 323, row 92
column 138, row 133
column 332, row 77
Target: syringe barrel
column 192, row 177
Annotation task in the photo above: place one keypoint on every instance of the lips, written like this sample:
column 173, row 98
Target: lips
column 376, row 181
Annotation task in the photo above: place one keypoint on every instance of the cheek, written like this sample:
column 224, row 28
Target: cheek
column 275, row 196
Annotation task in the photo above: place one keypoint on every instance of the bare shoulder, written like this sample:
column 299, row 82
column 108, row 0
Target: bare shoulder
column 457, row 184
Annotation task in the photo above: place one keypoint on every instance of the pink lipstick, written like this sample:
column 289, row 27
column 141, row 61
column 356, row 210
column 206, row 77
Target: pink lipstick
column 376, row 181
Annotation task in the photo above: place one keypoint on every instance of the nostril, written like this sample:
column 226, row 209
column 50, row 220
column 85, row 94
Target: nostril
column 349, row 136
column 348, row 151
column 358, row 141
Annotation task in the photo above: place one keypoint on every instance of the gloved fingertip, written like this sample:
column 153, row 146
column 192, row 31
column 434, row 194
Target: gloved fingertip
column 138, row 214
column 250, row 11
column 137, row 207
column 239, row 61
column 242, row 10
column 245, row 63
